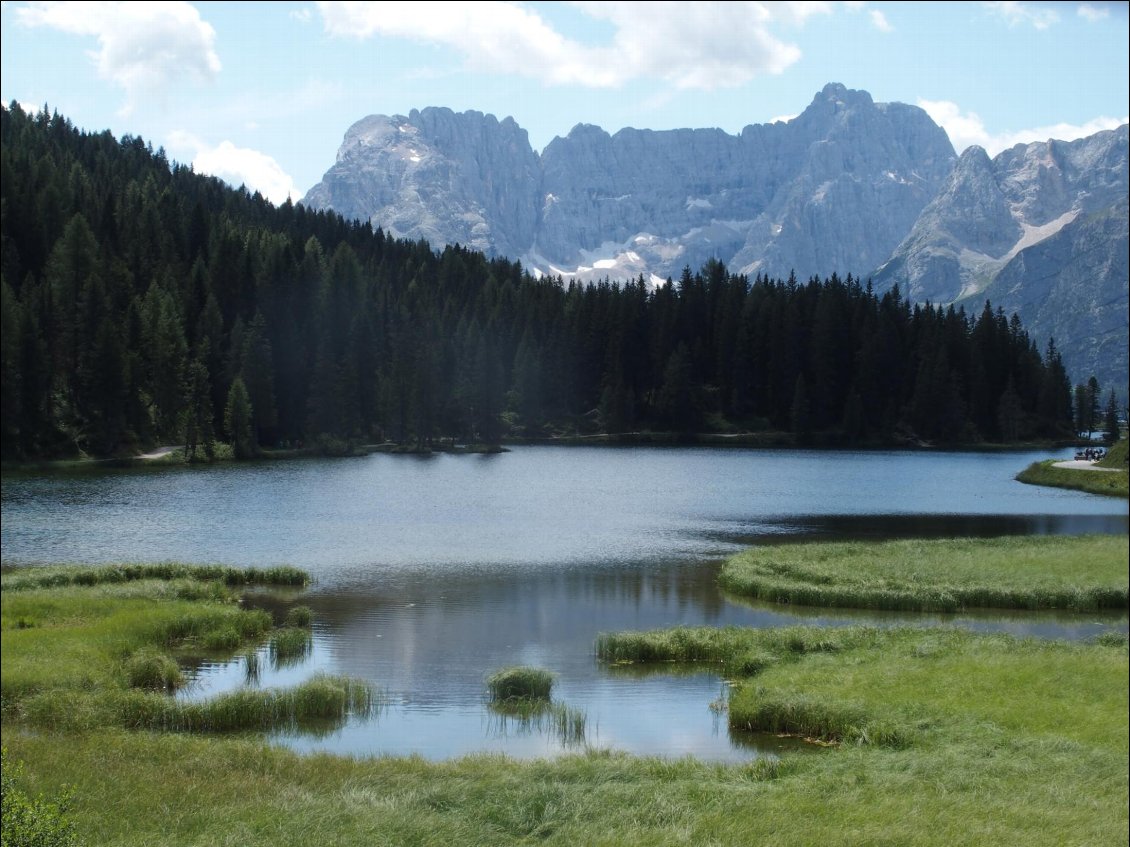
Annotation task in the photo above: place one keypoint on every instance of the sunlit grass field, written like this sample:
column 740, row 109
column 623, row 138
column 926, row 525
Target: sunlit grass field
column 927, row 737
column 1024, row 572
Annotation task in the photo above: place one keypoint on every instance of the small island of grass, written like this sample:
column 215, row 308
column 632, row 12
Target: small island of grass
column 1086, row 573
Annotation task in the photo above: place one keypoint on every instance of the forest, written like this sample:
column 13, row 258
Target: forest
column 147, row 304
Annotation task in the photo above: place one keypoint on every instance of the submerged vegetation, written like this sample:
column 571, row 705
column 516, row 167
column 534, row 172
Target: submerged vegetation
column 944, row 575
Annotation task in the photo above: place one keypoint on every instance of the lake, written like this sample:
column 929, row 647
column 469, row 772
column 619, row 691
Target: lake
column 432, row 572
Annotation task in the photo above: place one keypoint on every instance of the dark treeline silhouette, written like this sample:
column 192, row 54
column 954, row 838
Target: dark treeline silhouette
column 145, row 304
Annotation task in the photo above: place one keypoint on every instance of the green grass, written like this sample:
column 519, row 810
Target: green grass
column 289, row 646
column 21, row 579
column 1117, row 456
column 1110, row 483
column 84, row 655
column 519, row 683
column 83, row 637
column 945, row 737
column 1031, row 572
column 299, row 616
column 939, row 737
column 148, row 668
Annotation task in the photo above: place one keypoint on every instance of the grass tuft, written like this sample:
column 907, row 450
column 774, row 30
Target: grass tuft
column 289, row 646
column 519, row 683
column 299, row 616
column 148, row 668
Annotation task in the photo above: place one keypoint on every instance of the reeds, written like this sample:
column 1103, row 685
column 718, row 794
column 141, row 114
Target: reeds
column 566, row 723
column 320, row 700
column 299, row 616
column 289, row 646
column 53, row 577
column 816, row 719
column 519, row 683
column 148, row 668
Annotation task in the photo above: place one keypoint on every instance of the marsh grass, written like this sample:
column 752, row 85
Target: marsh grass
column 1013, row 741
column 149, row 668
column 1113, row 483
column 519, row 683
column 894, row 687
column 299, row 616
column 289, row 646
column 24, row 578
column 939, row 575
column 251, row 667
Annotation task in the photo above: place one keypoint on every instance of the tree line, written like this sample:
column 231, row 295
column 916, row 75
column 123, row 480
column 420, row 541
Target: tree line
column 144, row 303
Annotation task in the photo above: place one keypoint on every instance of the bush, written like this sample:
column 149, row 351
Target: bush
column 31, row 822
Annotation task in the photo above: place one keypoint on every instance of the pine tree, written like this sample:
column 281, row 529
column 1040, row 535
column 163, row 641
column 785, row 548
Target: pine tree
column 198, row 430
column 238, row 421
column 1111, row 429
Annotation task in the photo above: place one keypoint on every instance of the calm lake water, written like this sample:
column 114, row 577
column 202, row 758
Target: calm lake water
column 433, row 572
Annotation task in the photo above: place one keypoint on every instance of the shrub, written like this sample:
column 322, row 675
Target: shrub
column 31, row 821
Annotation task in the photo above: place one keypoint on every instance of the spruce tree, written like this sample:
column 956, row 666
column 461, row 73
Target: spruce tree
column 238, row 421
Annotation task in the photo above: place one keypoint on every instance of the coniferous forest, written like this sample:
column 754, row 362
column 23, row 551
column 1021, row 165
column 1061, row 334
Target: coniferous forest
column 146, row 304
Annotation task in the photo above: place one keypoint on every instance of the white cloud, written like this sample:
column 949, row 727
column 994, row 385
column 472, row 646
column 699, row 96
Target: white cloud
column 968, row 129
column 142, row 46
column 691, row 45
column 782, row 119
column 234, row 165
column 879, row 21
column 1092, row 13
column 1018, row 14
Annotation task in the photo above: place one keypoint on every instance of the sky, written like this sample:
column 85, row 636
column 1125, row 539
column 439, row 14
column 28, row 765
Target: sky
column 261, row 94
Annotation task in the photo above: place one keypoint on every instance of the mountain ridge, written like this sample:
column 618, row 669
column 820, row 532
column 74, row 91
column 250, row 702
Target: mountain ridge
column 849, row 186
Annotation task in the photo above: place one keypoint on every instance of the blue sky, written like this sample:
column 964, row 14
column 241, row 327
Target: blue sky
column 262, row 93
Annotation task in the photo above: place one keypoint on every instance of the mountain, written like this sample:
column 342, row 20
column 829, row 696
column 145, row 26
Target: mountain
column 1072, row 286
column 445, row 177
column 834, row 189
column 849, row 185
column 1041, row 229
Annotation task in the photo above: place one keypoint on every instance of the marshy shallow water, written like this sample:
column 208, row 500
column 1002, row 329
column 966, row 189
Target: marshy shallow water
column 431, row 573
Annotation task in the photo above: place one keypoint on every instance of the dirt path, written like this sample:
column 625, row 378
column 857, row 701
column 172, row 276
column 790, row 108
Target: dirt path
column 1081, row 465
column 159, row 452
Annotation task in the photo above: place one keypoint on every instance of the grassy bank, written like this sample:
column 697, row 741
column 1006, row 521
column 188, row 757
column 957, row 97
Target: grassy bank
column 1025, row 572
column 102, row 647
column 939, row 744
column 1111, row 483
